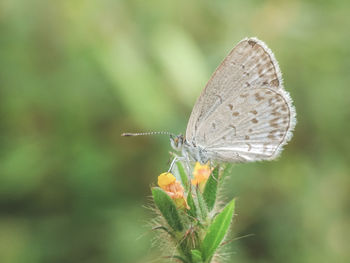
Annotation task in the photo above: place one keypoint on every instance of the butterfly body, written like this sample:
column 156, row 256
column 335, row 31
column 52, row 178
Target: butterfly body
column 192, row 152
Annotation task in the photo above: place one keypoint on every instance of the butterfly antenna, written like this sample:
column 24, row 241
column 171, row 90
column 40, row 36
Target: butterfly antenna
column 146, row 133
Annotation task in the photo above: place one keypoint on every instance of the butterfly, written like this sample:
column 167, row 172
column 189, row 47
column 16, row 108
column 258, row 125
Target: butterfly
column 244, row 114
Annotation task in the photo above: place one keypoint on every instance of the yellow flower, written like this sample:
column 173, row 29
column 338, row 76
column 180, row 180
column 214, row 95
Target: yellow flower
column 173, row 188
column 201, row 173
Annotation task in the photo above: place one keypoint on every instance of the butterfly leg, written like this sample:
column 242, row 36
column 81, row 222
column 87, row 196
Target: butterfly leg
column 176, row 159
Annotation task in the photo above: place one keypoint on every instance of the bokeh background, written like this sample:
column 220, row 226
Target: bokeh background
column 75, row 74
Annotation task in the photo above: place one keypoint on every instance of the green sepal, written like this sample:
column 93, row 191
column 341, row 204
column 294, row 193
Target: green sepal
column 168, row 208
column 192, row 212
column 183, row 175
column 217, row 231
column 196, row 256
column 201, row 203
column 209, row 193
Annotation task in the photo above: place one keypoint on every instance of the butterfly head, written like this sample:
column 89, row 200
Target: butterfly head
column 177, row 141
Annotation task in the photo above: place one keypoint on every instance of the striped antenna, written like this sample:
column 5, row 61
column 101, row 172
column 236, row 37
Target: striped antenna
column 147, row 133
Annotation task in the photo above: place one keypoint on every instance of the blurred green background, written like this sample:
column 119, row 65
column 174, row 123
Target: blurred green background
column 75, row 74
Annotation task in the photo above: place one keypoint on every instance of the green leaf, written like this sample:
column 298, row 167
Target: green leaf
column 168, row 208
column 217, row 231
column 164, row 229
column 201, row 203
column 196, row 256
column 183, row 175
column 210, row 189
column 193, row 210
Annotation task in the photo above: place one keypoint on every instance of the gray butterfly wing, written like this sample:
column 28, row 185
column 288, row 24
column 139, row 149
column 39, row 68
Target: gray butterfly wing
column 243, row 114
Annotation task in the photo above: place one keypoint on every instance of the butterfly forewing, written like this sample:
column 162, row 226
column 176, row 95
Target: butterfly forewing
column 243, row 113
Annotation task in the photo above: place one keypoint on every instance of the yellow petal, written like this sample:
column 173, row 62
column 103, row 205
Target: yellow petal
column 201, row 173
column 166, row 179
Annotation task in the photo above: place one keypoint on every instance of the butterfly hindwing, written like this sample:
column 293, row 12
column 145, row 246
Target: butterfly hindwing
column 244, row 111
